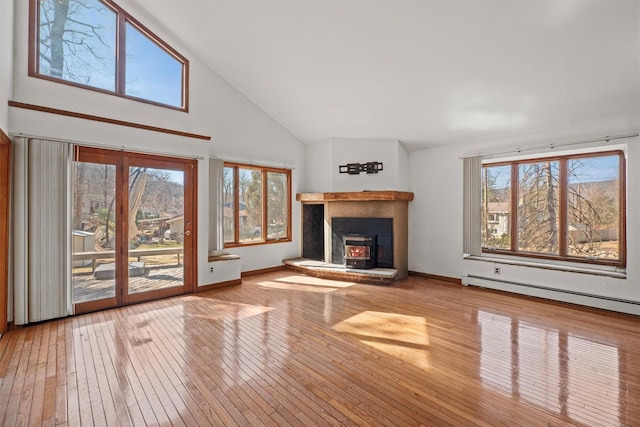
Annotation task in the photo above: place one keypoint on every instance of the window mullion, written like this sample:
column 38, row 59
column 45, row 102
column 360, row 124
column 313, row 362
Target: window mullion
column 289, row 184
column 564, row 209
column 514, row 207
column 121, row 52
column 264, row 205
column 622, row 217
column 236, row 204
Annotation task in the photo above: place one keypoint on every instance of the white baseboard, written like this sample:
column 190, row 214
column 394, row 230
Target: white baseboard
column 596, row 301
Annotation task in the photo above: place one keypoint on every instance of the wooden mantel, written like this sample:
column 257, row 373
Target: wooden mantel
column 356, row 196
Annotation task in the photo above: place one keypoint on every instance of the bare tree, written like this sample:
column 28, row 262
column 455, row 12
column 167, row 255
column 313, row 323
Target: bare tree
column 74, row 45
column 537, row 207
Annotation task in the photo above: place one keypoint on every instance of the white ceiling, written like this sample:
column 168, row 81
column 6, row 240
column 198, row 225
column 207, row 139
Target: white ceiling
column 423, row 72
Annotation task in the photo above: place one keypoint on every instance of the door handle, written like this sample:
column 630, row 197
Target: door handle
column 187, row 233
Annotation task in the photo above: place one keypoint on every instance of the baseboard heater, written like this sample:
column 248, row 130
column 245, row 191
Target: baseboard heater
column 574, row 297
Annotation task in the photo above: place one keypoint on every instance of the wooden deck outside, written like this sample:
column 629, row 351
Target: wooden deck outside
column 287, row 349
column 94, row 256
column 87, row 288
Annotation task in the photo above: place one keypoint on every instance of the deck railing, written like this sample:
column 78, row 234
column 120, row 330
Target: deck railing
column 137, row 253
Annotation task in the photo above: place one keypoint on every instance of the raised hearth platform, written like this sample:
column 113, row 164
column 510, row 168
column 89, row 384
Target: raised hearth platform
column 325, row 270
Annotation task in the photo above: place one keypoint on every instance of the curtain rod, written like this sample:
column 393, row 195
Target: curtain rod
column 107, row 147
column 551, row 146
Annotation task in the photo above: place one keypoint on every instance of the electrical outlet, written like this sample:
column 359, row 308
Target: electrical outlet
column 210, row 269
column 496, row 271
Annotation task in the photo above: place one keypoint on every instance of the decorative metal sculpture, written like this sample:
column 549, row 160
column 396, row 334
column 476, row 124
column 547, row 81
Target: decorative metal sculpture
column 356, row 168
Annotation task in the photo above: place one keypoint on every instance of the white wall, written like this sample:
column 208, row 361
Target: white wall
column 319, row 172
column 239, row 129
column 435, row 240
column 6, row 61
column 435, row 214
column 324, row 159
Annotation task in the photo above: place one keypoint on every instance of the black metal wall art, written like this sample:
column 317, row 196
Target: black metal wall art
column 356, row 168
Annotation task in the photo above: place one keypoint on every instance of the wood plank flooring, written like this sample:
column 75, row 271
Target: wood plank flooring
column 287, row 349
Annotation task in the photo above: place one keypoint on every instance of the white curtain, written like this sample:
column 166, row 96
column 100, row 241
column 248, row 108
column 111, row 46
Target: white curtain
column 216, row 206
column 41, row 201
column 472, row 244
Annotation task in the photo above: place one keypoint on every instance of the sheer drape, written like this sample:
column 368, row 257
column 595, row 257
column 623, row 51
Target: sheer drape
column 472, row 244
column 41, row 230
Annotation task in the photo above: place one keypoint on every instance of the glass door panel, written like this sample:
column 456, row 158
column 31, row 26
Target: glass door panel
column 94, row 235
column 156, row 230
column 132, row 228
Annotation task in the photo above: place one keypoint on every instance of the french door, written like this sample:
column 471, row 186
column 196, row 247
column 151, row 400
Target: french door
column 133, row 228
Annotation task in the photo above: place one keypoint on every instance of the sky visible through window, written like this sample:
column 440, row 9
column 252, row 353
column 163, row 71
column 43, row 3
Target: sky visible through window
column 152, row 73
column 175, row 176
column 589, row 169
column 594, row 169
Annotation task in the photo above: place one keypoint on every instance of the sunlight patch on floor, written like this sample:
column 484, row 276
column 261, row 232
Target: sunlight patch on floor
column 305, row 283
column 398, row 335
column 226, row 310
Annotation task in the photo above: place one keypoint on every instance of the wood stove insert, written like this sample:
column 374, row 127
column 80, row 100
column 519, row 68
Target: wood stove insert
column 360, row 251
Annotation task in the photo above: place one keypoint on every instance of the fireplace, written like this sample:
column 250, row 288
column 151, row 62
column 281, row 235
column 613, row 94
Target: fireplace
column 360, row 251
column 380, row 228
column 328, row 217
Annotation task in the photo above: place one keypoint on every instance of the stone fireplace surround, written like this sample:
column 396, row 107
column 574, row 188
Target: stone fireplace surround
column 364, row 204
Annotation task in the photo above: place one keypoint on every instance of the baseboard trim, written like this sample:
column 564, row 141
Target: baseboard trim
column 566, row 296
column 262, row 271
column 218, row 285
column 436, row 277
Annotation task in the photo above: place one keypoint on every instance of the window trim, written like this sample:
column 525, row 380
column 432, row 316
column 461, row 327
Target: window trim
column 563, row 209
column 236, row 202
column 122, row 18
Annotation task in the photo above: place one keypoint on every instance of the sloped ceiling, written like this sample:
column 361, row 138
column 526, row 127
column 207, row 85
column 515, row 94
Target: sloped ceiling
column 426, row 72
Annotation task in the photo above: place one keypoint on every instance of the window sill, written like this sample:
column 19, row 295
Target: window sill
column 615, row 272
column 268, row 242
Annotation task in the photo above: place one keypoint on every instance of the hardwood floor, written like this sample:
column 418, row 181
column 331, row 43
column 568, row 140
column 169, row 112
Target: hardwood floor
column 287, row 349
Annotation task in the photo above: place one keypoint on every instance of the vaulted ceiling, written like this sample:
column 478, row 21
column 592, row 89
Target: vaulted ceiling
column 423, row 72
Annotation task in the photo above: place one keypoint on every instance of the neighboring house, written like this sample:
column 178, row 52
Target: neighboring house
column 228, row 213
column 176, row 228
column 498, row 218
